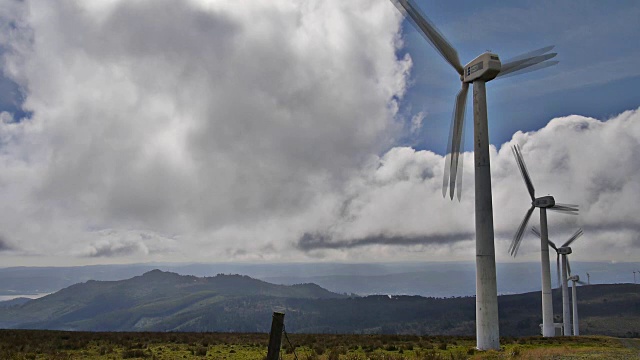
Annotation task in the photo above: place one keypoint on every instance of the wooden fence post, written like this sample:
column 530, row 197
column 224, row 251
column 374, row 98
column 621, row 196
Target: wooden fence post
column 275, row 336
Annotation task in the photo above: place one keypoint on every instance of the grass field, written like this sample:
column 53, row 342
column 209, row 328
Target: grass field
column 26, row 344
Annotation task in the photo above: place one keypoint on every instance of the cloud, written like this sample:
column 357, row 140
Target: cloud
column 4, row 244
column 262, row 131
column 416, row 122
column 115, row 243
column 397, row 200
column 192, row 117
column 321, row 241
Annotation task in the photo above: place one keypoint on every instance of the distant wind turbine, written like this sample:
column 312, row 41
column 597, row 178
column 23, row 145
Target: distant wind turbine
column 544, row 203
column 563, row 251
column 574, row 299
column 483, row 68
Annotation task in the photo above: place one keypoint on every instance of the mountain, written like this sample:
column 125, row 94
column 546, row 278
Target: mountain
column 156, row 300
column 164, row 301
column 14, row 302
column 437, row 279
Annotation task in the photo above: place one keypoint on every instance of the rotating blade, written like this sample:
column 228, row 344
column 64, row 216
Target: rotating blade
column 566, row 258
column 536, row 231
column 509, row 68
column 581, row 282
column 529, row 69
column 530, row 54
column 425, row 27
column 564, row 209
column 460, row 170
column 523, row 171
column 574, row 237
column 447, row 161
column 455, row 143
column 517, row 239
column 558, row 269
column 568, row 205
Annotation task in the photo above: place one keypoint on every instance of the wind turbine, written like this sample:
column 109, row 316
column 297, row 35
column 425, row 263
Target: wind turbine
column 588, row 279
column 483, row 68
column 634, row 277
column 544, row 203
column 563, row 251
column 574, row 299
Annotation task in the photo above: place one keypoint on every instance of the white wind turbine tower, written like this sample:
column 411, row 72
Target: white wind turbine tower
column 483, row 68
column 544, row 203
column 563, row 251
column 574, row 298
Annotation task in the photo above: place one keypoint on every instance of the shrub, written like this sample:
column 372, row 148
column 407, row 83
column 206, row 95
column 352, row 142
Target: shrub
column 318, row 349
column 133, row 353
column 334, row 354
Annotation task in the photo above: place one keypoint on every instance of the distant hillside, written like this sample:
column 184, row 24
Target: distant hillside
column 437, row 279
column 162, row 301
column 14, row 302
column 154, row 301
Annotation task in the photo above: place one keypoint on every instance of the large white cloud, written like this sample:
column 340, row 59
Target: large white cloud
column 189, row 118
column 219, row 130
column 578, row 160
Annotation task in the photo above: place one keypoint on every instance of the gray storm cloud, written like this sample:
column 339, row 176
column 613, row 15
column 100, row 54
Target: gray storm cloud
column 4, row 244
column 262, row 130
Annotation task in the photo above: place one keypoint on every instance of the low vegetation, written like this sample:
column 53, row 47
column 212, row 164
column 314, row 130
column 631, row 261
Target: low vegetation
column 38, row 344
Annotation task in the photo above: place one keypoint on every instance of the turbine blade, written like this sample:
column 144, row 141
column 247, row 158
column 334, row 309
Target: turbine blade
column 517, row 239
column 530, row 54
column 568, row 205
column 563, row 209
column 456, row 138
column 523, row 171
column 566, row 258
column 573, row 238
column 509, row 68
column 529, row 69
column 552, row 244
column 425, row 27
column 514, row 65
column 536, row 231
column 447, row 158
column 558, row 270
column 581, row 282
column 460, row 170
column 447, row 163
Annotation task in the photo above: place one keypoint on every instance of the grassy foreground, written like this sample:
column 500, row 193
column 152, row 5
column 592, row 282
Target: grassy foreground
column 36, row 344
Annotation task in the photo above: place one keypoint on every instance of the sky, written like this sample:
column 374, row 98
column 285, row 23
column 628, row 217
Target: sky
column 287, row 130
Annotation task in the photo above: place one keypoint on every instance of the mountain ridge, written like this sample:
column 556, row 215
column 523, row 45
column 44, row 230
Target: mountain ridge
column 165, row 301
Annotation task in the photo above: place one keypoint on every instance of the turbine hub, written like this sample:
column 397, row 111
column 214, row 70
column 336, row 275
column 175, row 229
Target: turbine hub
column 485, row 67
column 544, row 202
column 564, row 250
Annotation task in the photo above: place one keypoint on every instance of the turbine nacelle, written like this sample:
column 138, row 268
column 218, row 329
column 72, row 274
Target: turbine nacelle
column 544, row 202
column 575, row 278
column 564, row 250
column 485, row 67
